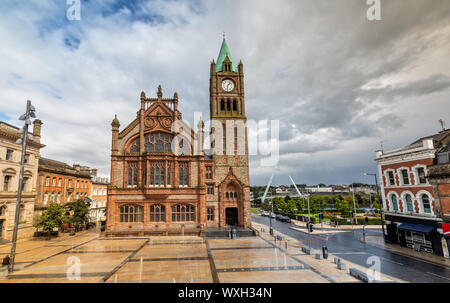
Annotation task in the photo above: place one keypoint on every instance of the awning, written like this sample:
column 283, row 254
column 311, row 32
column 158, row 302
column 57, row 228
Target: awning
column 417, row 227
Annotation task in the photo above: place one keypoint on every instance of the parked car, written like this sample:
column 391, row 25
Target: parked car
column 286, row 219
column 272, row 215
column 265, row 214
column 279, row 217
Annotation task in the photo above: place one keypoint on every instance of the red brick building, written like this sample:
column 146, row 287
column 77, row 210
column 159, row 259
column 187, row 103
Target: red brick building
column 163, row 182
column 413, row 214
column 60, row 183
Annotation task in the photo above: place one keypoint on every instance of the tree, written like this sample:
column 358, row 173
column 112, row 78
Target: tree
column 79, row 211
column 52, row 217
column 342, row 206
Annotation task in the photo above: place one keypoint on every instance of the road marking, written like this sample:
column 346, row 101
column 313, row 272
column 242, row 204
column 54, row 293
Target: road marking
column 438, row 276
column 350, row 253
column 398, row 263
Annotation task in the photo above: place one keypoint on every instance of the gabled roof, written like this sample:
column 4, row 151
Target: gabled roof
column 436, row 137
column 225, row 52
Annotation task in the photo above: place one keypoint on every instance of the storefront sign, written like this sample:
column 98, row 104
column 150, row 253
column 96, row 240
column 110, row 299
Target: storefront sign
column 446, row 229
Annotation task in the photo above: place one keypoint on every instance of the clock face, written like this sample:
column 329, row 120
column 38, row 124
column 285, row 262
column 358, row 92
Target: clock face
column 227, row 85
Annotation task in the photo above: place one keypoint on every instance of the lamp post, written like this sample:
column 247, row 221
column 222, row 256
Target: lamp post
column 378, row 200
column 30, row 113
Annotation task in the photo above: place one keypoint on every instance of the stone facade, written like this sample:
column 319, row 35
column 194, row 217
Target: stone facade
column 163, row 181
column 10, row 157
column 99, row 196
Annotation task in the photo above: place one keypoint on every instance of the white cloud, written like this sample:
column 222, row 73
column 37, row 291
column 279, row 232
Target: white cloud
column 306, row 63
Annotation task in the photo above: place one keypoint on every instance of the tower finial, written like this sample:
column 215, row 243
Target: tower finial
column 224, row 35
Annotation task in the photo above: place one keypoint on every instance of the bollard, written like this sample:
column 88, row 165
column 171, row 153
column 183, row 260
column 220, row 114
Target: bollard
column 285, row 245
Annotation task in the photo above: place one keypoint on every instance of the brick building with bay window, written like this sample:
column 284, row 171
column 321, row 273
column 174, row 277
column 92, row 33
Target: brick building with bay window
column 413, row 213
column 163, row 182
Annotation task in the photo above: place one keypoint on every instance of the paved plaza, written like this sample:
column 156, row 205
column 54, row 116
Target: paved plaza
column 170, row 259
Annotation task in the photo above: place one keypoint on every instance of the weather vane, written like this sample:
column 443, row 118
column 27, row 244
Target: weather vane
column 224, row 35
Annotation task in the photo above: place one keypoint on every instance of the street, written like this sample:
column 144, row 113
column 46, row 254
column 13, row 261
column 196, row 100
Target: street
column 347, row 246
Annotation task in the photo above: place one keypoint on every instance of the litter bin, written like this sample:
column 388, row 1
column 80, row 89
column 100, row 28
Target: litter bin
column 325, row 252
column 234, row 233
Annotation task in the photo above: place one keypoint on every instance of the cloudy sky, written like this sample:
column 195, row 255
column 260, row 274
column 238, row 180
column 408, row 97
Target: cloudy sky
column 338, row 83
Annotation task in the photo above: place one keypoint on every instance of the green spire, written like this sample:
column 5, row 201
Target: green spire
column 224, row 52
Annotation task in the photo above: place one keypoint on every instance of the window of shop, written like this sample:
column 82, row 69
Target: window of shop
column 405, row 176
column 391, row 178
column 184, row 174
column 131, row 213
column 421, row 175
column 9, row 154
column 157, row 213
column 394, row 202
column 209, row 172
column 210, row 214
column 210, row 189
column 6, row 183
column 183, row 213
column 409, row 203
column 132, row 174
column 426, row 204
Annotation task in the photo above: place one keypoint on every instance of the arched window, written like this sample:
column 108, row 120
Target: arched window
column 58, row 198
column 47, row 181
column 394, row 202
column 235, row 195
column 157, row 213
column 227, row 195
column 409, row 203
column 158, row 142
column 183, row 213
column 135, row 147
column 46, row 198
column 234, row 105
column 426, row 203
column 183, row 174
column 132, row 173
column 131, row 213
column 222, row 105
column 52, row 197
column 228, row 105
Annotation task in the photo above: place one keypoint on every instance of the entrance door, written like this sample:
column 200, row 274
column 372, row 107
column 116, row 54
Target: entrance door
column 231, row 216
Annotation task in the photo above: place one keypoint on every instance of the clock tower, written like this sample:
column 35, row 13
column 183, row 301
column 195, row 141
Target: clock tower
column 229, row 139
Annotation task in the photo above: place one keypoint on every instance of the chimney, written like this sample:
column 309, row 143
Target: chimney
column 94, row 172
column 37, row 130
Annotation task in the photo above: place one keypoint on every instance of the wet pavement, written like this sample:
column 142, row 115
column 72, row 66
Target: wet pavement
column 347, row 246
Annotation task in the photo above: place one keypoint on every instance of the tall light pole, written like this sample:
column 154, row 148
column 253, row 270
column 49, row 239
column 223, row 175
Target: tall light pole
column 30, row 113
column 354, row 205
column 378, row 200
column 263, row 199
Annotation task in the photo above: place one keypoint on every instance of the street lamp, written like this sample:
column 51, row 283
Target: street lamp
column 30, row 113
column 378, row 199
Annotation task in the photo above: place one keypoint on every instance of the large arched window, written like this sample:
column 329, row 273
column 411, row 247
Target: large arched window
column 183, row 213
column 394, row 202
column 157, row 213
column 158, row 142
column 426, row 203
column 409, row 203
column 131, row 213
